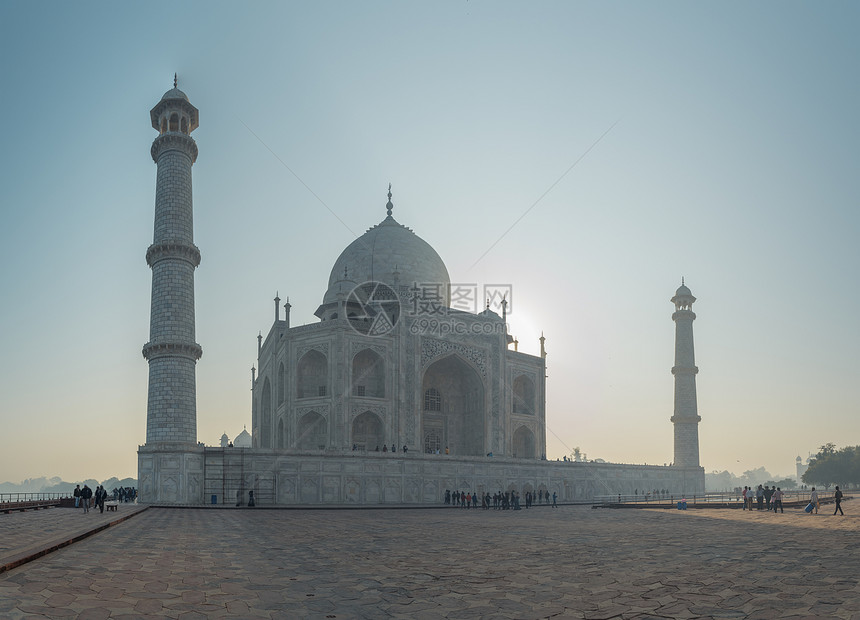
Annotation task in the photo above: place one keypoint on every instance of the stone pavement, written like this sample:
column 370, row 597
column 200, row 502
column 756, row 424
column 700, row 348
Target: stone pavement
column 27, row 535
column 573, row 562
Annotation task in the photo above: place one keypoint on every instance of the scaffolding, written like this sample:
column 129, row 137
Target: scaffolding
column 227, row 482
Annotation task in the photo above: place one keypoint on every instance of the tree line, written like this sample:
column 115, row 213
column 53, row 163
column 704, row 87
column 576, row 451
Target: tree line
column 831, row 466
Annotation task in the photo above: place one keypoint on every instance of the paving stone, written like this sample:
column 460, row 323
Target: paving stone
column 357, row 564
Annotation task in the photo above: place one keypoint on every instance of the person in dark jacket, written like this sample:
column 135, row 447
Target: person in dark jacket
column 100, row 498
column 838, row 497
column 86, row 495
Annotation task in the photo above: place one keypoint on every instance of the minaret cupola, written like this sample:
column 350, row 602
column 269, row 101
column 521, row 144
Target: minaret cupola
column 174, row 113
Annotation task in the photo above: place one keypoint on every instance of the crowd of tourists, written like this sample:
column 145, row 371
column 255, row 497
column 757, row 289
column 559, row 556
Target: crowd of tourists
column 502, row 500
column 86, row 498
column 764, row 498
column 124, row 494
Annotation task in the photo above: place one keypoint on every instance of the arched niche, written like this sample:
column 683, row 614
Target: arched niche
column 524, row 443
column 282, row 439
column 266, row 415
column 312, row 432
column 523, row 395
column 312, row 375
column 368, row 374
column 367, row 431
column 459, row 421
column 282, row 380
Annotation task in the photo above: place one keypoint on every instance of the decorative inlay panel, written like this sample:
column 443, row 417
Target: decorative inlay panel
column 322, row 347
column 432, row 348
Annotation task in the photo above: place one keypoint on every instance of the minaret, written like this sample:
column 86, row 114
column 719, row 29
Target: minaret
column 170, row 464
column 686, row 418
column 171, row 413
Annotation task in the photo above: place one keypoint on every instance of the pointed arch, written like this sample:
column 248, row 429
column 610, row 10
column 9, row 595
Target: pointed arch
column 368, row 374
column 523, row 395
column 458, row 423
column 312, row 375
column 313, row 432
column 282, row 380
column 281, row 440
column 266, row 415
column 367, row 431
column 524, row 443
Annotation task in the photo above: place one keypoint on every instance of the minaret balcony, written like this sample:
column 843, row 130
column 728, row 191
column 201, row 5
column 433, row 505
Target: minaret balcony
column 685, row 370
column 152, row 350
column 692, row 419
column 173, row 249
column 174, row 141
column 684, row 314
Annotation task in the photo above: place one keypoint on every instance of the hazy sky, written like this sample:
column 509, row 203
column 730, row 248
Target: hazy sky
column 731, row 160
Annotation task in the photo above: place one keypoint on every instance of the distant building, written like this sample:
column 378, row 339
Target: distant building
column 801, row 469
column 243, row 440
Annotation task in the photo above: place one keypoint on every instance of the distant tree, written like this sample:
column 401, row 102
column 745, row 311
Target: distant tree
column 110, row 483
column 785, row 483
column 719, row 481
column 59, row 487
column 831, row 466
column 754, row 477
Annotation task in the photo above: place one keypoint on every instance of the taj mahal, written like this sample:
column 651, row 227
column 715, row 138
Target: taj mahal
column 394, row 395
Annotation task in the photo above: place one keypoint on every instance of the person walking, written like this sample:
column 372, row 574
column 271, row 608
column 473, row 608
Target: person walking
column 100, row 498
column 554, row 497
column 838, row 497
column 768, row 495
column 77, row 495
column 777, row 500
column 813, row 499
column 86, row 494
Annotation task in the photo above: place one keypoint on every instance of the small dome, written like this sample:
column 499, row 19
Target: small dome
column 683, row 291
column 489, row 314
column 174, row 93
column 392, row 254
column 243, row 440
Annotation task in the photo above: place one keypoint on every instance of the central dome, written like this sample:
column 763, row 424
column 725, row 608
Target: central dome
column 392, row 254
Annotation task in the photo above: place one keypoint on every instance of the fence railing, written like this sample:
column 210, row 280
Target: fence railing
column 11, row 498
column 707, row 498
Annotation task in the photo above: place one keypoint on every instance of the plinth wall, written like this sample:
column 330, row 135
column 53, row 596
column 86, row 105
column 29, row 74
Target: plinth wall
column 285, row 478
column 170, row 474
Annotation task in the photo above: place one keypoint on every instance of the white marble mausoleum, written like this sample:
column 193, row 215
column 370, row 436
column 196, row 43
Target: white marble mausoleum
column 393, row 396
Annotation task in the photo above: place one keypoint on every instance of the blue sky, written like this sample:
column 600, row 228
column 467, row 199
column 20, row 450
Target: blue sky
column 731, row 160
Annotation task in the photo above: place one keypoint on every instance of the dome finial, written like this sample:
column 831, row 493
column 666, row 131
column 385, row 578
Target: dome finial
column 389, row 206
column 682, row 280
column 175, row 81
